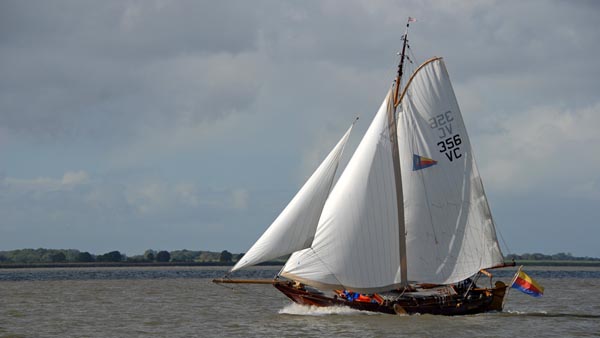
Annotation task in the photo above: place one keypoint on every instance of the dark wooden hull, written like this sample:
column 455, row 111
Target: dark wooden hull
column 475, row 301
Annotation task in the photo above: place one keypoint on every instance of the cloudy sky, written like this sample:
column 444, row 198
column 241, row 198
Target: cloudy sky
column 128, row 125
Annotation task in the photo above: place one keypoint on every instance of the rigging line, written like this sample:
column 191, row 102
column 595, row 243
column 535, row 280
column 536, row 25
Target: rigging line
column 327, row 267
column 226, row 286
column 413, row 56
column 281, row 270
column 472, row 284
column 245, row 289
column 337, row 163
column 503, row 241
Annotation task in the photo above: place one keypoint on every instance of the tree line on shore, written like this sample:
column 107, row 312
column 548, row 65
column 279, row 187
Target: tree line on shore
column 561, row 256
column 36, row 256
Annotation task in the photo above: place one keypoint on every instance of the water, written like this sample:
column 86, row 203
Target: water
column 182, row 302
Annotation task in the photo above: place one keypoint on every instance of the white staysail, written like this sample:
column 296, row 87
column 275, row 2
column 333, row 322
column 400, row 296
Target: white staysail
column 295, row 227
column 450, row 230
column 356, row 245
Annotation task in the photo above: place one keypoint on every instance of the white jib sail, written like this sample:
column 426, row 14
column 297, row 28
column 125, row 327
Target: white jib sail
column 295, row 227
column 356, row 245
column 450, row 230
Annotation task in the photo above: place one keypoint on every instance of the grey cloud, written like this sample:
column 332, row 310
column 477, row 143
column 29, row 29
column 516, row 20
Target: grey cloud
column 85, row 208
column 131, row 28
column 231, row 95
column 71, row 69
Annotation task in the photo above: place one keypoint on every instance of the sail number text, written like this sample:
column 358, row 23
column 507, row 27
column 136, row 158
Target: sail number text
column 449, row 144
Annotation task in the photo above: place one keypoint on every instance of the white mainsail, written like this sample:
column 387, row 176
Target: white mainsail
column 450, row 234
column 450, row 230
column 357, row 243
column 295, row 227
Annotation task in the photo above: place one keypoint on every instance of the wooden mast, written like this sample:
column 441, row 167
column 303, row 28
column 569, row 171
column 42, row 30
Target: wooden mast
column 393, row 132
column 401, row 66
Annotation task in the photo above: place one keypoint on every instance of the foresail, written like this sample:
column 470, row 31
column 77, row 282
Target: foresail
column 295, row 227
column 450, row 230
column 356, row 245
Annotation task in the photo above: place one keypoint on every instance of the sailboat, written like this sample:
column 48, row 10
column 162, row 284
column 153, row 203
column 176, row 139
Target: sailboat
column 406, row 228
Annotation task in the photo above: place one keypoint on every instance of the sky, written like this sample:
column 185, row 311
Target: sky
column 129, row 125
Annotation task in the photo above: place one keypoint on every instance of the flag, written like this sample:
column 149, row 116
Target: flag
column 422, row 162
column 411, row 19
column 526, row 284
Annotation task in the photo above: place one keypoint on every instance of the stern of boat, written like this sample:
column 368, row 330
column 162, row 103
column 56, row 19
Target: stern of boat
column 498, row 293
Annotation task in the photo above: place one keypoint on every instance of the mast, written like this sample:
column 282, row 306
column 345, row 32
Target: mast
column 393, row 132
column 401, row 65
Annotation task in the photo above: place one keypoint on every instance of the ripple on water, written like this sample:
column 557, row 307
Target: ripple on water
column 182, row 302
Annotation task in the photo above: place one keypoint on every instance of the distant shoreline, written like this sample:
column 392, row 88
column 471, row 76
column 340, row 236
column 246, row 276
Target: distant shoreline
column 559, row 263
column 221, row 264
column 122, row 264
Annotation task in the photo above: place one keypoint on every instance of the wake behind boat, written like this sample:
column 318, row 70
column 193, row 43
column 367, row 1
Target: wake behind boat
column 407, row 227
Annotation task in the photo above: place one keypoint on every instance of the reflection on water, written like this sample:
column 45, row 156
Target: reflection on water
column 182, row 302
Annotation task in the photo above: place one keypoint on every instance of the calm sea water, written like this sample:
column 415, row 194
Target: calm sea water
column 182, row 302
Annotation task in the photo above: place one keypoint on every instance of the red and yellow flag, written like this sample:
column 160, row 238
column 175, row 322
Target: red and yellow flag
column 526, row 284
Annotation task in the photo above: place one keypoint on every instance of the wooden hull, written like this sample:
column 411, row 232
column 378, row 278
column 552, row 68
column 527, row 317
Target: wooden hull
column 475, row 301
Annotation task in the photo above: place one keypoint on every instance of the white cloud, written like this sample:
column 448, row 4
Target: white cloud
column 76, row 190
column 69, row 180
column 239, row 198
column 75, row 177
column 152, row 197
column 543, row 147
